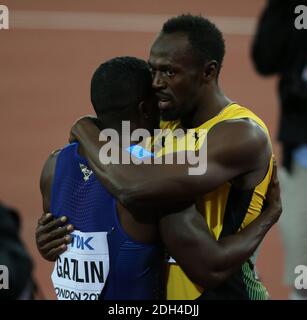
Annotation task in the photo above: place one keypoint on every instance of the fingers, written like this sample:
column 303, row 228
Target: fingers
column 89, row 117
column 52, row 237
column 274, row 177
column 60, row 232
column 72, row 138
column 53, row 254
column 273, row 205
column 45, row 218
column 53, row 224
column 86, row 121
column 274, row 188
column 74, row 131
column 86, row 118
column 56, row 244
column 54, row 234
column 49, row 229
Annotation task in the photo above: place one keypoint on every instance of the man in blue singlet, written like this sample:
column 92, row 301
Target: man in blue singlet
column 106, row 251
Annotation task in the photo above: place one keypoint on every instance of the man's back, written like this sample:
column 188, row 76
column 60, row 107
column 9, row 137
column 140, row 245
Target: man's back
column 102, row 255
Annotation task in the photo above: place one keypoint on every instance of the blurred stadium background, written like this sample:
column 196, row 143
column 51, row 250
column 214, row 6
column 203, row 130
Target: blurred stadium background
column 47, row 58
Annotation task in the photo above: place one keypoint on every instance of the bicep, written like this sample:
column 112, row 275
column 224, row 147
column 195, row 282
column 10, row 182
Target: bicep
column 178, row 184
column 188, row 240
column 46, row 180
column 166, row 184
column 233, row 149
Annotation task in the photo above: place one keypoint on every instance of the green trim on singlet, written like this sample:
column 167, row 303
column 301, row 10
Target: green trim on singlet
column 256, row 290
column 244, row 284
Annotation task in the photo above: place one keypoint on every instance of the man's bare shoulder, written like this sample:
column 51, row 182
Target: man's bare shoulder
column 48, row 171
column 243, row 140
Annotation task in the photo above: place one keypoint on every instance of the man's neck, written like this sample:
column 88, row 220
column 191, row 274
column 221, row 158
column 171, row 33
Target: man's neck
column 208, row 107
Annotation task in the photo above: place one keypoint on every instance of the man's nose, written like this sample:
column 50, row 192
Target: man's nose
column 157, row 81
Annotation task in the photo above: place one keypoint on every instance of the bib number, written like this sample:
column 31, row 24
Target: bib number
column 80, row 273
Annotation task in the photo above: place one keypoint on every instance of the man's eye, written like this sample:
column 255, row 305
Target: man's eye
column 170, row 73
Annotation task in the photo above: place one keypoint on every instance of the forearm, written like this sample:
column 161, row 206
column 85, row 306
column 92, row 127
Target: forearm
column 159, row 185
column 239, row 247
column 138, row 187
column 206, row 261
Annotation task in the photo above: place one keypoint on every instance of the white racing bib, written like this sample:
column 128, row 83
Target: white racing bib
column 80, row 273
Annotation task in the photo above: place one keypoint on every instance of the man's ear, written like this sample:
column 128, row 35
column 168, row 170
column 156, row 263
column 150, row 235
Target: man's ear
column 143, row 110
column 210, row 71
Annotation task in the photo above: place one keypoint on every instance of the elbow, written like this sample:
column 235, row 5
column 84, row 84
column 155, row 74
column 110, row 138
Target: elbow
column 131, row 198
column 208, row 279
column 215, row 274
column 127, row 199
column 217, row 271
column 137, row 197
column 207, row 273
column 214, row 280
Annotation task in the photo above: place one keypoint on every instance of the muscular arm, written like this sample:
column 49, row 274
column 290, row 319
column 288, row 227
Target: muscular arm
column 185, row 234
column 234, row 148
column 51, row 237
column 46, row 180
column 209, row 262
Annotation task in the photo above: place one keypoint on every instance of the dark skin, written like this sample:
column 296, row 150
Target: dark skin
column 206, row 261
column 209, row 262
column 189, row 86
column 52, row 238
column 191, row 235
column 238, row 151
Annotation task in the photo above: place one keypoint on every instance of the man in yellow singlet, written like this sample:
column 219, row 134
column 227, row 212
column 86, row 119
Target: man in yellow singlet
column 185, row 61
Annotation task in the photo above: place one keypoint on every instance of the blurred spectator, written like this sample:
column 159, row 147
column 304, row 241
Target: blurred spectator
column 14, row 256
column 281, row 49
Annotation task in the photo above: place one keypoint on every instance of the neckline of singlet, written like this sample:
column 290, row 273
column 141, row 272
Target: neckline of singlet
column 217, row 115
column 226, row 107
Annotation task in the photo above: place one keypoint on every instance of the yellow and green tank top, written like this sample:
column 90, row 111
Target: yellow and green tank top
column 226, row 210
